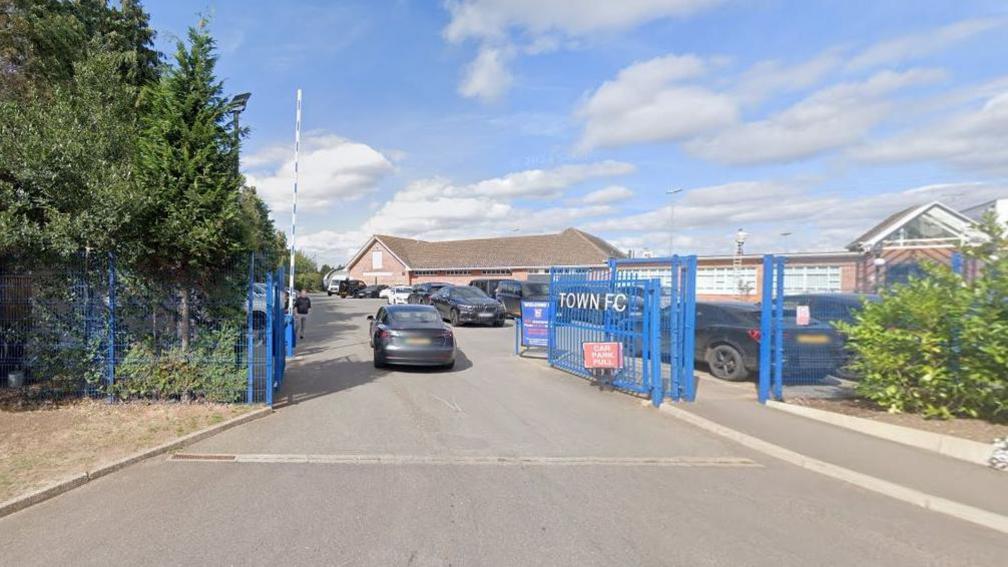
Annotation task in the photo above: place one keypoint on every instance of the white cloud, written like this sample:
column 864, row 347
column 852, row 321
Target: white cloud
column 438, row 209
column 646, row 102
column 831, row 118
column 332, row 169
column 972, row 140
column 543, row 183
column 480, row 19
column 610, row 194
column 487, row 77
column 918, row 45
column 543, row 26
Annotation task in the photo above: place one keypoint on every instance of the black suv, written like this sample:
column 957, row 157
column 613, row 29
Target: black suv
column 467, row 304
column 422, row 292
column 512, row 292
column 370, row 291
column 487, row 285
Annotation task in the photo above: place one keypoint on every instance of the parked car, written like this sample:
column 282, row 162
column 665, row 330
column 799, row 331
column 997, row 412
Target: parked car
column 412, row 335
column 831, row 308
column 398, row 295
column 422, row 292
column 728, row 337
column 512, row 292
column 369, row 292
column 345, row 288
column 487, row 285
column 385, row 293
column 467, row 304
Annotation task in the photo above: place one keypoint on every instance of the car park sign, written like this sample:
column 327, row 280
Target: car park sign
column 535, row 323
column 603, row 355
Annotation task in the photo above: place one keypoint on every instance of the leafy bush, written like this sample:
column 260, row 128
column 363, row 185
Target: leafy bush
column 938, row 345
column 211, row 369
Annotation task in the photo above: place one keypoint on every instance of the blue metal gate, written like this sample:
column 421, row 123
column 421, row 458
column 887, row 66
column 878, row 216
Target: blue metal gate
column 647, row 305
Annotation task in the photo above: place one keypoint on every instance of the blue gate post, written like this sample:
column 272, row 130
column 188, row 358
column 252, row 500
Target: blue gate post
column 270, row 331
column 657, row 380
column 675, row 331
column 957, row 263
column 111, row 355
column 250, row 322
column 553, row 312
column 778, row 375
column 766, row 328
column 689, row 329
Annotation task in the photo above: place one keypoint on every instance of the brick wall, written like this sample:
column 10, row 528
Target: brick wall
column 390, row 272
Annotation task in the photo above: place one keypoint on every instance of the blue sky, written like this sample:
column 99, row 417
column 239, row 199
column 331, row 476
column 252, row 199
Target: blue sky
column 490, row 117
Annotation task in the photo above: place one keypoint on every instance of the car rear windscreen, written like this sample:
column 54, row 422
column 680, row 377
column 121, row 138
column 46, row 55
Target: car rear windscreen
column 414, row 316
column 535, row 288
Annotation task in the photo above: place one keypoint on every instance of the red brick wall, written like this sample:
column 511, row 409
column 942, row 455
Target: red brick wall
column 393, row 271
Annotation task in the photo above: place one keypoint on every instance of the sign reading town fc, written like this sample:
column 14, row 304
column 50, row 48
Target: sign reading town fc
column 584, row 300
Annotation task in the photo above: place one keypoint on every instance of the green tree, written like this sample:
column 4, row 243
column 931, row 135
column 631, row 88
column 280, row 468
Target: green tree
column 193, row 223
column 41, row 42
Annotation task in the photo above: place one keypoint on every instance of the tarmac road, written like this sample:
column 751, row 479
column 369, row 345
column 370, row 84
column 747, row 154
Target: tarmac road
column 501, row 461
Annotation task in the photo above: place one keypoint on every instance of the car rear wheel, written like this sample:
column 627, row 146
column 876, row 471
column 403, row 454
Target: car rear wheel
column 726, row 363
column 379, row 361
column 449, row 366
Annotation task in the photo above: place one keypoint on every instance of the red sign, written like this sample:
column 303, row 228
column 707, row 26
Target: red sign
column 603, row 355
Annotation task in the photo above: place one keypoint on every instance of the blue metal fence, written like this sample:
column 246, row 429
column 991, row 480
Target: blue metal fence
column 91, row 328
column 801, row 344
column 648, row 306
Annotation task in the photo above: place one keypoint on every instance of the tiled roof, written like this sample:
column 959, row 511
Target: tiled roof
column 571, row 247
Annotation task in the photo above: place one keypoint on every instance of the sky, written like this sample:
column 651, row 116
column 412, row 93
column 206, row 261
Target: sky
column 660, row 125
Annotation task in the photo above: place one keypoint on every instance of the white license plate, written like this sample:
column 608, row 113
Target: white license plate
column 486, row 314
column 417, row 341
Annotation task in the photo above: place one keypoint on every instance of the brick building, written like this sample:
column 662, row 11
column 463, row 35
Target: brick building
column 386, row 259
column 889, row 252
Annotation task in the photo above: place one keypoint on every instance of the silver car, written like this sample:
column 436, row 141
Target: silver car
column 412, row 335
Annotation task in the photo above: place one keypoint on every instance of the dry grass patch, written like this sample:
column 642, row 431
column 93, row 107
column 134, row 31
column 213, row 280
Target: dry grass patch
column 48, row 443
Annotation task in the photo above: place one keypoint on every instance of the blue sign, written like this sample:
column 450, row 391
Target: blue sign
column 535, row 323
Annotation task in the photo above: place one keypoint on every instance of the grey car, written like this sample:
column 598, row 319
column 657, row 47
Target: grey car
column 412, row 335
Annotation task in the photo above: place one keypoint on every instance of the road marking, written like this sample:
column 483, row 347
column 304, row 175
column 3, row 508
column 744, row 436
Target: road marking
column 309, row 459
column 909, row 495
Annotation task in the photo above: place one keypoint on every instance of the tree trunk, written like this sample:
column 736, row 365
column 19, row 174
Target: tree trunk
column 183, row 327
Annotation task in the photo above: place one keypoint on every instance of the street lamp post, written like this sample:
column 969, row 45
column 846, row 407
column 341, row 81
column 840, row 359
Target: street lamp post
column 672, row 193
column 236, row 106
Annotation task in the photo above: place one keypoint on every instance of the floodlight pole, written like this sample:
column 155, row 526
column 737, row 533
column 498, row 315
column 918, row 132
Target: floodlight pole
column 293, row 243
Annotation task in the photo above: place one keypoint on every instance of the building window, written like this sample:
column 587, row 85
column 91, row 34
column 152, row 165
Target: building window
column 725, row 281
column 812, row 279
column 376, row 259
column 498, row 272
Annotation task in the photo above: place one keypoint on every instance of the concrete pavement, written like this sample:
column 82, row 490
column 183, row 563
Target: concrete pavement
column 442, row 511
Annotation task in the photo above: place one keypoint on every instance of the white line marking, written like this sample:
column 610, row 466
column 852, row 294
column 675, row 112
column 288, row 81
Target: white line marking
column 917, row 498
column 724, row 462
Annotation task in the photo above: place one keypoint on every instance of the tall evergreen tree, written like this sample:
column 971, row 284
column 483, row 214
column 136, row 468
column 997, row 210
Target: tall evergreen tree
column 193, row 222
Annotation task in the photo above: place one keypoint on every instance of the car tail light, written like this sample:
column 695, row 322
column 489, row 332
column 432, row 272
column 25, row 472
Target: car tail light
column 755, row 334
column 446, row 334
column 384, row 334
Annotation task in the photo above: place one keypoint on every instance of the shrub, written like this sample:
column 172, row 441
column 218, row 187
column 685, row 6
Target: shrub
column 938, row 345
column 211, row 369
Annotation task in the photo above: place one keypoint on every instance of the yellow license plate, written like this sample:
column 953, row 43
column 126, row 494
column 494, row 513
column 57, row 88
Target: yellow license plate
column 418, row 341
column 814, row 339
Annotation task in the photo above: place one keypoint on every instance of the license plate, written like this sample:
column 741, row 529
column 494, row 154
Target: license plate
column 814, row 339
column 417, row 341
column 486, row 314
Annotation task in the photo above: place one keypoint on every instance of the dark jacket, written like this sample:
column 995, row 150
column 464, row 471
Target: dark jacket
column 302, row 305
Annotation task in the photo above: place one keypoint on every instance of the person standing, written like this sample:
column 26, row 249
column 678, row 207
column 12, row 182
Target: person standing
column 302, row 305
